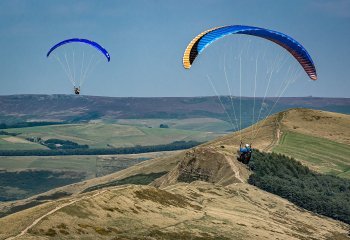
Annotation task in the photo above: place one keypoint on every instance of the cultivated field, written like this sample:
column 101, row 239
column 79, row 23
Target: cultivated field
column 320, row 154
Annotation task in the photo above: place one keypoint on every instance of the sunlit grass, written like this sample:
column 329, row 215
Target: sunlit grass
column 323, row 155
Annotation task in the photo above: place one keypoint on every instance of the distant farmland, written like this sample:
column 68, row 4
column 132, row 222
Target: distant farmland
column 17, row 143
column 105, row 135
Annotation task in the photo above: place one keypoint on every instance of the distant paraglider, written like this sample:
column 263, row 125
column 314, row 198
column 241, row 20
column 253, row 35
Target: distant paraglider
column 77, row 90
column 68, row 60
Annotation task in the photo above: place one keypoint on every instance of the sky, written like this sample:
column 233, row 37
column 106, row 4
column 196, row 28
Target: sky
column 146, row 40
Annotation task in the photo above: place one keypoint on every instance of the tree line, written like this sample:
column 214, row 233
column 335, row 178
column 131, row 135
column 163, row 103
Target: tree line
column 320, row 193
column 28, row 124
column 8, row 133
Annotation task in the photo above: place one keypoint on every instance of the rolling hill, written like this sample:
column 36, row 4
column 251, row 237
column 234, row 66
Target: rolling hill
column 73, row 109
column 319, row 139
column 201, row 193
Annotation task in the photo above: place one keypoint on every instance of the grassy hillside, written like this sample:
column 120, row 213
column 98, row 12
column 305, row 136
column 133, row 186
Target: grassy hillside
column 321, row 154
column 328, row 125
column 237, row 210
column 198, row 211
column 319, row 139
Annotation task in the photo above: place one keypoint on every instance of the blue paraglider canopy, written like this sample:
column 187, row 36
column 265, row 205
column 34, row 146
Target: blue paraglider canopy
column 92, row 43
column 204, row 39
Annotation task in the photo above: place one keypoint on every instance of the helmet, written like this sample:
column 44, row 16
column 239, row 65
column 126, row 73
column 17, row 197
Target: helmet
column 247, row 145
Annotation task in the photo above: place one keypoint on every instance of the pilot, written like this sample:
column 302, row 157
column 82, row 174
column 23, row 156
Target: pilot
column 77, row 90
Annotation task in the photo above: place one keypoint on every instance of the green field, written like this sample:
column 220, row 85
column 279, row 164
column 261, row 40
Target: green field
column 193, row 124
column 102, row 135
column 74, row 163
column 320, row 154
column 17, row 143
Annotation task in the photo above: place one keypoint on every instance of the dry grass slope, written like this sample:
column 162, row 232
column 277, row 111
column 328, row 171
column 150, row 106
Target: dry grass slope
column 182, row 211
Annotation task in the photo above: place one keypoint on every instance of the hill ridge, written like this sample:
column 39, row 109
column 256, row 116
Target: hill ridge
column 75, row 108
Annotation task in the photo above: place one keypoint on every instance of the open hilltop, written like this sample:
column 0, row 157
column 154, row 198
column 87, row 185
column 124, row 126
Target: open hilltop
column 200, row 193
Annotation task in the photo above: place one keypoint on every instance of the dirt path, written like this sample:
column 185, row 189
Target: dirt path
column 276, row 138
column 234, row 168
column 279, row 126
column 36, row 221
column 278, row 134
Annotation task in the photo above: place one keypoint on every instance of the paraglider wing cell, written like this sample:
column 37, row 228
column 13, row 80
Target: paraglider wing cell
column 86, row 41
column 199, row 43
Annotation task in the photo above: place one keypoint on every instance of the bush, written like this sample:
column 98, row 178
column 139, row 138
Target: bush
column 63, row 144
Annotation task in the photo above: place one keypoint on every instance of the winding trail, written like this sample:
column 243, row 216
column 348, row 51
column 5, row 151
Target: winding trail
column 36, row 221
column 276, row 138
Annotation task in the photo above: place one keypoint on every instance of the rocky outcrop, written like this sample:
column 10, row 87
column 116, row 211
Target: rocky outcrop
column 204, row 164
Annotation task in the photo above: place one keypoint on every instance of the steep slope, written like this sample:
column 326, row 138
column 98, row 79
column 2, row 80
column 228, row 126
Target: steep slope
column 216, row 162
column 205, row 164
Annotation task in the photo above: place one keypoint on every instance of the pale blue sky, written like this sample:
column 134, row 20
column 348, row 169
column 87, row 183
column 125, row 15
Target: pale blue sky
column 146, row 40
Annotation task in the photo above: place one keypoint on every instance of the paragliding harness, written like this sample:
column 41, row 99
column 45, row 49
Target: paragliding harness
column 244, row 155
column 77, row 90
